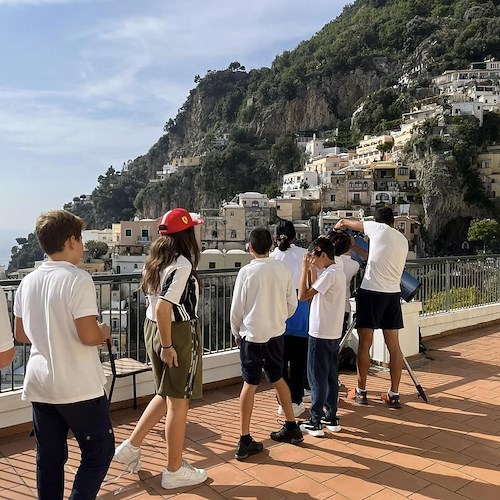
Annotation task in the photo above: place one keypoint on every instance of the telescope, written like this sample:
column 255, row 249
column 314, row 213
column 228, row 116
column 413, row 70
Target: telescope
column 409, row 284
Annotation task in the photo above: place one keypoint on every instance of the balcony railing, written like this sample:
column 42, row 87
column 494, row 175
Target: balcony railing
column 447, row 284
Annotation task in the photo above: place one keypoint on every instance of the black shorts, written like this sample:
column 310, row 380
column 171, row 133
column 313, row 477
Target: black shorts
column 378, row 310
column 255, row 357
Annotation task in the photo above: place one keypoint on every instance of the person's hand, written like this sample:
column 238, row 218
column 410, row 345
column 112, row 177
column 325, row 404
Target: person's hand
column 340, row 224
column 237, row 340
column 105, row 331
column 169, row 357
column 308, row 261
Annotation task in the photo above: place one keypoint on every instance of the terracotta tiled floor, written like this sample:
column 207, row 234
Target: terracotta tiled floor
column 449, row 448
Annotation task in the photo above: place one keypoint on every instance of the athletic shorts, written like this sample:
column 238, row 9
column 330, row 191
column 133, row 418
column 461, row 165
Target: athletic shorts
column 185, row 380
column 378, row 310
column 255, row 357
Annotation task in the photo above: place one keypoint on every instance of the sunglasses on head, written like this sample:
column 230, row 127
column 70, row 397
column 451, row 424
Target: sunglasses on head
column 316, row 251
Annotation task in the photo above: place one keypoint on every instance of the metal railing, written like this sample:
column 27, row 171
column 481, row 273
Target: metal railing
column 447, row 284
column 450, row 283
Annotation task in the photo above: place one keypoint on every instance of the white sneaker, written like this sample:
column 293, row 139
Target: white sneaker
column 129, row 455
column 185, row 475
column 298, row 409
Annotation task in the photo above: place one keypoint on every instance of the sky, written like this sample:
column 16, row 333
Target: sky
column 85, row 84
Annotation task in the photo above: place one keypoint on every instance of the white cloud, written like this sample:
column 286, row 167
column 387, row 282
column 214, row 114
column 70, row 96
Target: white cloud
column 36, row 3
column 51, row 129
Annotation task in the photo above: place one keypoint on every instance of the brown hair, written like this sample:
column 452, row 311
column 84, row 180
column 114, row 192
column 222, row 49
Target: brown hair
column 53, row 228
column 165, row 250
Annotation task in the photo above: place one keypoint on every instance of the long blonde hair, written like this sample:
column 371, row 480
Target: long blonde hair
column 165, row 250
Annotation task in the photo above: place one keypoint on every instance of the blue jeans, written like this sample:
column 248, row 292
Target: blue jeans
column 91, row 425
column 322, row 374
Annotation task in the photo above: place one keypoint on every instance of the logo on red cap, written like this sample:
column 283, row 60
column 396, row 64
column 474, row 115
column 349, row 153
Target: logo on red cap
column 176, row 220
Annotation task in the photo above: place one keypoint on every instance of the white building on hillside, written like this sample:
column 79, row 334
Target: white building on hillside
column 299, row 180
column 468, row 108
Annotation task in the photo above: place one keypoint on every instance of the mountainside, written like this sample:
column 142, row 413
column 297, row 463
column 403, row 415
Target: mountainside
column 359, row 57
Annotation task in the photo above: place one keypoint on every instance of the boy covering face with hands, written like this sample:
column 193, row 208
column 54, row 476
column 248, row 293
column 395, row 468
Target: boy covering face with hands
column 326, row 317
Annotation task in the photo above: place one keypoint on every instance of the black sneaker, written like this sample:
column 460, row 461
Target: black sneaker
column 243, row 451
column 313, row 428
column 360, row 398
column 285, row 435
column 332, row 424
column 393, row 401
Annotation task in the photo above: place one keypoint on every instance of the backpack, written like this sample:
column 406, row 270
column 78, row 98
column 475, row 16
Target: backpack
column 347, row 359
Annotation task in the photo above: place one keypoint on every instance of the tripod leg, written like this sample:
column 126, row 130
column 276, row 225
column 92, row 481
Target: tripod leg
column 421, row 392
column 347, row 335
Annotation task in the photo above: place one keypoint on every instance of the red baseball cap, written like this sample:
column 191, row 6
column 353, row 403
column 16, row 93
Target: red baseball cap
column 176, row 220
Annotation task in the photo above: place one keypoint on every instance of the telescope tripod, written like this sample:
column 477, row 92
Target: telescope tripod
column 345, row 339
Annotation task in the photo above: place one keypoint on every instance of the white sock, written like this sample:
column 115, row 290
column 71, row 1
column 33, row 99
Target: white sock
column 360, row 391
column 392, row 393
column 134, row 447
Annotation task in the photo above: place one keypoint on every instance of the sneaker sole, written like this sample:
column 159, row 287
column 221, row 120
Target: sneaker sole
column 333, row 428
column 182, row 484
column 315, row 433
column 288, row 441
column 249, row 454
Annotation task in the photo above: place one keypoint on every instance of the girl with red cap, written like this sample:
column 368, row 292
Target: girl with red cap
column 173, row 343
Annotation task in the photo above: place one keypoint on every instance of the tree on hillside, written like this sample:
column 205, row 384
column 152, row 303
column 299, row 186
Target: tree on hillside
column 114, row 196
column 25, row 253
column 96, row 248
column 285, row 156
column 487, row 232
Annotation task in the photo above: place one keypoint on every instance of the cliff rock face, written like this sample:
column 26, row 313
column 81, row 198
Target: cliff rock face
column 445, row 209
column 318, row 106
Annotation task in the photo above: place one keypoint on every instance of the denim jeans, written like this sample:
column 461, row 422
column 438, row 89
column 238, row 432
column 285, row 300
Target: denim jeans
column 91, row 425
column 322, row 373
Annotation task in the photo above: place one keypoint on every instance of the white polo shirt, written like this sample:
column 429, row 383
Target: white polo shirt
column 292, row 258
column 60, row 368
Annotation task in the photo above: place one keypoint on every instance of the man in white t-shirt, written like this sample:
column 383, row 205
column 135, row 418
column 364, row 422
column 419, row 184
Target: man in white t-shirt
column 7, row 349
column 378, row 303
column 55, row 311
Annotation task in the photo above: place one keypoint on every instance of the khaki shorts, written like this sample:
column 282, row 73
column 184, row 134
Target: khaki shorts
column 185, row 380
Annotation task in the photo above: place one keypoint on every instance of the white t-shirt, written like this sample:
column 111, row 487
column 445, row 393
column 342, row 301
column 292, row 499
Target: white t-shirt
column 326, row 316
column 386, row 258
column 60, row 368
column 6, row 338
column 292, row 258
column 351, row 267
column 179, row 287
column 264, row 297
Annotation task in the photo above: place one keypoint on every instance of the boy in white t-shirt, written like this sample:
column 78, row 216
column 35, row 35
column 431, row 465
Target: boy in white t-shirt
column 55, row 311
column 326, row 318
column 7, row 349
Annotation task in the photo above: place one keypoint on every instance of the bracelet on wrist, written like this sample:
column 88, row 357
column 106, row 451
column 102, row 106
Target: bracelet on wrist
column 167, row 346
